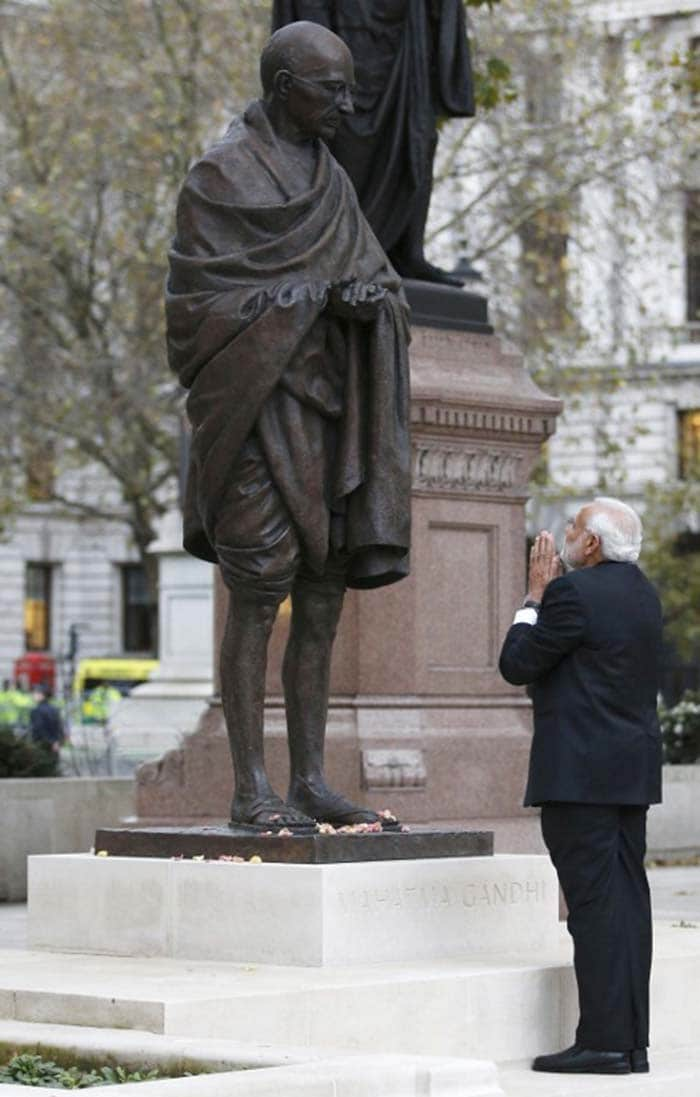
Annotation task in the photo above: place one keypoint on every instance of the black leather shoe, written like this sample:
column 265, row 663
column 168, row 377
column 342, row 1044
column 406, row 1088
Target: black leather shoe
column 583, row 1060
column 639, row 1061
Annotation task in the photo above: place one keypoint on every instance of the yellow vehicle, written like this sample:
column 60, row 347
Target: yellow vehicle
column 97, row 681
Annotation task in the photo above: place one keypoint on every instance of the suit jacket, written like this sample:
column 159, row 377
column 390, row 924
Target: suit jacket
column 592, row 665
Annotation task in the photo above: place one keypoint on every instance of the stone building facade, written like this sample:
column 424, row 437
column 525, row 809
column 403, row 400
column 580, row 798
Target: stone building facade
column 632, row 401
column 59, row 570
column 618, row 260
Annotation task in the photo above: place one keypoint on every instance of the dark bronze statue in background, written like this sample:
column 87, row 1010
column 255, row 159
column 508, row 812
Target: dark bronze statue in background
column 413, row 67
column 288, row 325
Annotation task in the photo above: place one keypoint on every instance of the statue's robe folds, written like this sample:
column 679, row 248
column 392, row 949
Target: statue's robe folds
column 250, row 336
column 412, row 67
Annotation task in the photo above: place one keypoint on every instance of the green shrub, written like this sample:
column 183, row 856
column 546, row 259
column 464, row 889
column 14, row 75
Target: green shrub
column 680, row 730
column 22, row 758
column 32, row 1070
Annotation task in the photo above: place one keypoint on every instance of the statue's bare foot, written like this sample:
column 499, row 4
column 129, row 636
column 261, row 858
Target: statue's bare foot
column 325, row 806
column 423, row 271
column 269, row 813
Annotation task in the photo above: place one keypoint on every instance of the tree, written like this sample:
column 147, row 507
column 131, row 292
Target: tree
column 671, row 558
column 553, row 192
column 102, row 106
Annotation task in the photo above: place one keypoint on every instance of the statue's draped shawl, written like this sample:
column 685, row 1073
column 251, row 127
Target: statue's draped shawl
column 411, row 68
column 248, row 335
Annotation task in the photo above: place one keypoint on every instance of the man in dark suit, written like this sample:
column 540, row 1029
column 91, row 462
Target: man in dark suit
column 587, row 644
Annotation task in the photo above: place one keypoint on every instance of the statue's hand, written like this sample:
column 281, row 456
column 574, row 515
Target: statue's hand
column 355, row 300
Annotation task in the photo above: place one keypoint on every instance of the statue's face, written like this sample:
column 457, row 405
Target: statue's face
column 318, row 92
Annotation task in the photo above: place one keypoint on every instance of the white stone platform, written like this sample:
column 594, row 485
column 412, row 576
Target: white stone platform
column 280, row 914
column 273, row 1070
column 245, row 1071
column 471, row 1010
column 491, row 1008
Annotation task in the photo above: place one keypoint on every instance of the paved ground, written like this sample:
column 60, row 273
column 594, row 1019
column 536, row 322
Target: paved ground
column 676, row 892
column 673, row 1074
column 13, row 925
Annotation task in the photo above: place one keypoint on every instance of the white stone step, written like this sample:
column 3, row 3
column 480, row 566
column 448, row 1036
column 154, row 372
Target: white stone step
column 489, row 1008
column 312, row 1073
column 244, row 1071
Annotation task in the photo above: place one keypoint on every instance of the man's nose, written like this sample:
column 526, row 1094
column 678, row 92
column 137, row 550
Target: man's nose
column 346, row 105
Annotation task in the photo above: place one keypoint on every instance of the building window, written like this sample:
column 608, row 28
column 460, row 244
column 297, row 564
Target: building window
column 39, row 461
column 37, row 607
column 543, row 88
column 692, row 259
column 693, row 74
column 688, row 444
column 544, row 241
column 138, row 610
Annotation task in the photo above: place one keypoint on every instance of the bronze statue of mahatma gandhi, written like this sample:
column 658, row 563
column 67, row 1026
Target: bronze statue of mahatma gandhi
column 288, row 325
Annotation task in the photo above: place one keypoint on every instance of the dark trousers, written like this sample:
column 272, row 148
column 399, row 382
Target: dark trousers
column 598, row 852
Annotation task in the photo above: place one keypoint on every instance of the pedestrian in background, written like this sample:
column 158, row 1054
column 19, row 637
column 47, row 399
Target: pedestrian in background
column 45, row 723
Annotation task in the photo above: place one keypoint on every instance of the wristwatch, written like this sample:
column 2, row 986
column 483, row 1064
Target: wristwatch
column 530, row 603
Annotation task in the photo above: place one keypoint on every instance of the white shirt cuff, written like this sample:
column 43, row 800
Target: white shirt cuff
column 526, row 616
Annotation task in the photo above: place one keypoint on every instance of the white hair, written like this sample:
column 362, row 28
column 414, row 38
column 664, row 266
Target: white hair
column 618, row 527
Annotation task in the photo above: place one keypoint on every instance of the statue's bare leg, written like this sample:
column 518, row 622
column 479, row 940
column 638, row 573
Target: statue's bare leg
column 306, row 681
column 243, row 665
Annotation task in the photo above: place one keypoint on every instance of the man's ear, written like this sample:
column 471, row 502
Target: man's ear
column 592, row 544
column 281, row 84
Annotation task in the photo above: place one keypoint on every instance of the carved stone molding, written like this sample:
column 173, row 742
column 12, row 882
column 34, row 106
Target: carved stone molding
column 458, row 469
column 455, row 417
column 395, row 769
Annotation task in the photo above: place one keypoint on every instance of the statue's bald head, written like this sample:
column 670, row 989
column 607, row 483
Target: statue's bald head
column 300, row 47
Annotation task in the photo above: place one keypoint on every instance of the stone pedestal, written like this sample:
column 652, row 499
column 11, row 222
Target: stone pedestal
column 228, row 843
column 159, row 714
column 420, row 720
column 310, row 915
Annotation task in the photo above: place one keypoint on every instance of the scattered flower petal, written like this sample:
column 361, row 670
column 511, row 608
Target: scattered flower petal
column 360, row 828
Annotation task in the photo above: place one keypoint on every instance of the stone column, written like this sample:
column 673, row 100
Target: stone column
column 160, row 713
column 420, row 720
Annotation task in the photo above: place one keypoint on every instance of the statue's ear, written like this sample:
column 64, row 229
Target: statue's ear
column 281, row 83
